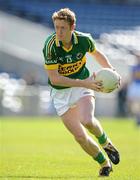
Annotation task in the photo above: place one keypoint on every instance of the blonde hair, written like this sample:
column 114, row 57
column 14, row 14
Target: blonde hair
column 65, row 14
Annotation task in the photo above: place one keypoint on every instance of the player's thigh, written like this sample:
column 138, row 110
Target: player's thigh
column 86, row 108
column 72, row 123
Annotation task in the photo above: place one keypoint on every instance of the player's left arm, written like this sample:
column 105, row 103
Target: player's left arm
column 102, row 59
column 98, row 55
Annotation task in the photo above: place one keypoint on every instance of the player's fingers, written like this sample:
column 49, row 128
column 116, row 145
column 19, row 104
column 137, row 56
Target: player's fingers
column 98, row 83
column 120, row 80
column 117, row 85
column 110, row 90
column 97, row 87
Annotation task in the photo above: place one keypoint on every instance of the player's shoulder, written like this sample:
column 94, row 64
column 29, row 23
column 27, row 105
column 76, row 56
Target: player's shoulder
column 50, row 40
column 83, row 35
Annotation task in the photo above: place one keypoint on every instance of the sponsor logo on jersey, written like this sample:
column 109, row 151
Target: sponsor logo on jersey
column 79, row 55
column 50, row 61
column 68, row 69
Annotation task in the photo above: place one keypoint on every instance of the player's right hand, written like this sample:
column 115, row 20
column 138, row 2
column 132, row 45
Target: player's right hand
column 91, row 83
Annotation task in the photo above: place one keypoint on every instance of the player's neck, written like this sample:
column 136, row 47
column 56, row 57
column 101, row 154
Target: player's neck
column 67, row 45
column 68, row 42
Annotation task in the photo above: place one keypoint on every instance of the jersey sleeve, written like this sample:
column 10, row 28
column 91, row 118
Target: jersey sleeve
column 50, row 56
column 91, row 44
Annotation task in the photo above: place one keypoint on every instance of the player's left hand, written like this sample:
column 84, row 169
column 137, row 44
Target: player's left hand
column 119, row 78
column 99, row 85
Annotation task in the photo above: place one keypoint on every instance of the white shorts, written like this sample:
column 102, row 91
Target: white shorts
column 64, row 99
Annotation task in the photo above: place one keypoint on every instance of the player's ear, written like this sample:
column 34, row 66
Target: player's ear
column 73, row 27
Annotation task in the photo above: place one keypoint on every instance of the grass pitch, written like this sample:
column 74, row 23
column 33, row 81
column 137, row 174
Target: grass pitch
column 42, row 148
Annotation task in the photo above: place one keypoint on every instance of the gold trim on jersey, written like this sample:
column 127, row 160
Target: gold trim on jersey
column 89, row 45
column 71, row 68
column 67, row 50
column 75, row 38
column 57, row 42
column 49, row 44
column 93, row 51
column 51, row 66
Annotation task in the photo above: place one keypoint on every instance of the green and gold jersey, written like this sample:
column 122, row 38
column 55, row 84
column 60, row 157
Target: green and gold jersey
column 70, row 63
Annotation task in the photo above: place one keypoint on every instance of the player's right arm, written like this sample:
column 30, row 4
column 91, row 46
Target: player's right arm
column 57, row 79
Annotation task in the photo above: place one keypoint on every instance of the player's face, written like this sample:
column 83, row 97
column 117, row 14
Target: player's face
column 63, row 30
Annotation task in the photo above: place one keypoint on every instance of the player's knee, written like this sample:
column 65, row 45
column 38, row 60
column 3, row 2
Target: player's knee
column 81, row 139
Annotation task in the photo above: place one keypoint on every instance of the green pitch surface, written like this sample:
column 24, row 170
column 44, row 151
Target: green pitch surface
column 41, row 148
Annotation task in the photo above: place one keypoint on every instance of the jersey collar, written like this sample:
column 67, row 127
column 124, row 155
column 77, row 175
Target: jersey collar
column 74, row 37
column 74, row 40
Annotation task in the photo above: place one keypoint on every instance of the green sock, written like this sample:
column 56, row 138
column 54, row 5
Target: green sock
column 102, row 139
column 100, row 158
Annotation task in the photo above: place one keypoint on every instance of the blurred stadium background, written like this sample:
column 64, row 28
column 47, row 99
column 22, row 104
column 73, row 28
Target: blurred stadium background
column 24, row 26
